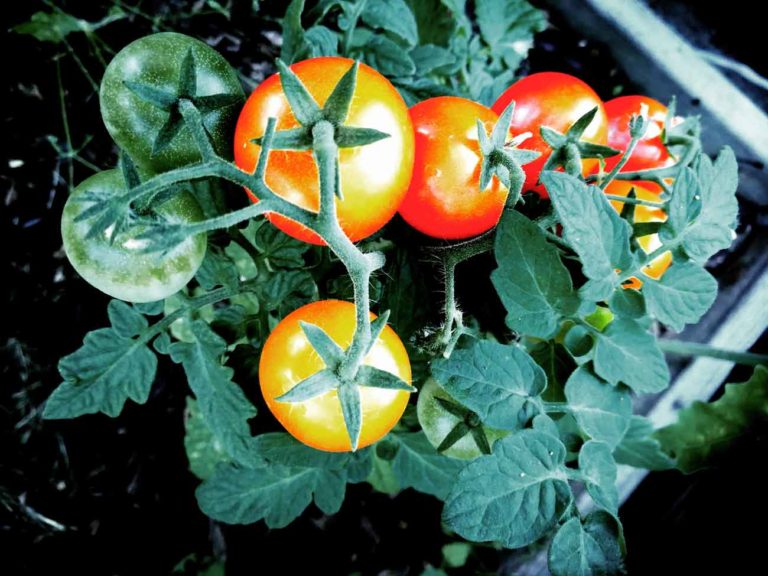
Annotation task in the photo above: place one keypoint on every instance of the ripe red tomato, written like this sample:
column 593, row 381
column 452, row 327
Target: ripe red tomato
column 288, row 358
column 650, row 151
column 656, row 268
column 444, row 199
column 374, row 178
column 555, row 100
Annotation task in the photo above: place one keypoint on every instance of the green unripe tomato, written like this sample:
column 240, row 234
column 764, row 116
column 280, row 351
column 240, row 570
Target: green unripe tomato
column 155, row 61
column 437, row 423
column 121, row 269
column 600, row 318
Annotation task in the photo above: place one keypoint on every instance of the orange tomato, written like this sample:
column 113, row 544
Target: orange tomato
column 374, row 178
column 288, row 358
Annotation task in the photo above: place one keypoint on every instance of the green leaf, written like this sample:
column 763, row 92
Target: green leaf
column 456, row 554
column 382, row 478
column 222, row 403
column 321, row 41
column 640, row 449
column 429, row 58
column 107, row 370
column 593, row 229
column 603, row 411
column 294, row 42
column 557, row 364
column 681, row 296
column 393, row 16
column 276, row 493
column 277, row 248
column 282, row 448
column 388, row 58
column 531, row 280
column 499, row 382
column 703, row 209
column 598, row 469
column 125, row 320
column 217, row 269
column 588, row 549
column 204, row 452
column 704, row 431
column 514, row 496
column 286, row 290
column 51, row 26
column 418, row 465
column 628, row 303
column 434, row 20
column 508, row 26
column 626, row 353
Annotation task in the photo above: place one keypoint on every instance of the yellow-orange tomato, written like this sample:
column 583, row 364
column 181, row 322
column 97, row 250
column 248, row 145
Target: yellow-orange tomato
column 651, row 242
column 557, row 101
column 288, row 358
column 444, row 199
column 374, row 178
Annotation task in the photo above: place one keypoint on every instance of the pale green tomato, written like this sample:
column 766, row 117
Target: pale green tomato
column 121, row 269
column 438, row 422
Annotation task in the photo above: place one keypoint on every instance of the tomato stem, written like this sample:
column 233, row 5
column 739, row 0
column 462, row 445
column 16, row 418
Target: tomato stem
column 682, row 348
column 621, row 163
column 635, row 201
column 211, row 297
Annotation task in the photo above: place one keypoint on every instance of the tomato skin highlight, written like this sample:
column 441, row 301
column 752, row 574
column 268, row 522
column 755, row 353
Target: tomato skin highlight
column 288, row 358
column 650, row 151
column 374, row 178
column 656, row 268
column 444, row 199
column 555, row 100
column 120, row 269
column 155, row 61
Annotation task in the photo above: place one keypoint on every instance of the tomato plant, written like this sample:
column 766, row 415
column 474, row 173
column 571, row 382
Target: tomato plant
column 557, row 101
column 439, row 415
column 288, row 358
column 140, row 93
column 650, row 151
column 444, row 199
column 120, row 267
column 374, row 178
column 535, row 392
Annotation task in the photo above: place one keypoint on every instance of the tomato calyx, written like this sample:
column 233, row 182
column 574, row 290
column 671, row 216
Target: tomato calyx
column 469, row 423
column 172, row 103
column 339, row 376
column 568, row 150
column 502, row 159
column 313, row 118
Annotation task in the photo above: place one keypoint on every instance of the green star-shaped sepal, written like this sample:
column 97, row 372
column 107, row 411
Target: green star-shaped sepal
column 308, row 113
column 348, row 390
column 502, row 160
column 568, row 150
column 469, row 423
column 186, row 89
column 110, row 212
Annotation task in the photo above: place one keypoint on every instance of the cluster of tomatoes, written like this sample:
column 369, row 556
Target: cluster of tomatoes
column 428, row 169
